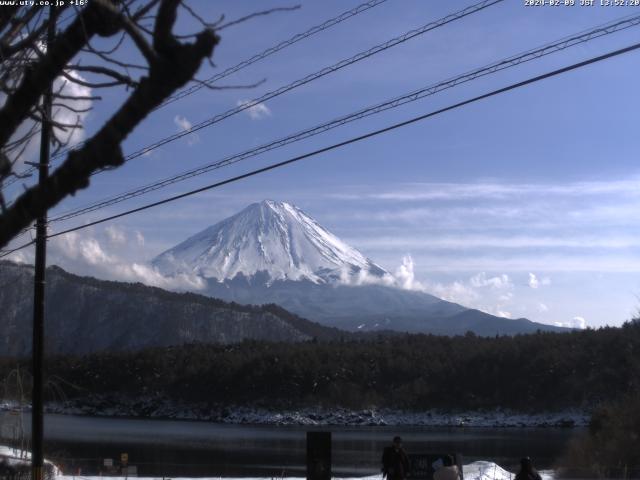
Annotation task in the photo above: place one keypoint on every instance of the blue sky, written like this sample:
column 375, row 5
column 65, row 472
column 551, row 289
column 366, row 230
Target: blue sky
column 526, row 204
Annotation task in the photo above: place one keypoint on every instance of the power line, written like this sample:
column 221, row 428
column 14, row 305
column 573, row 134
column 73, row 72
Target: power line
column 564, row 43
column 319, row 74
column 350, row 141
column 271, row 50
column 312, row 77
column 243, row 64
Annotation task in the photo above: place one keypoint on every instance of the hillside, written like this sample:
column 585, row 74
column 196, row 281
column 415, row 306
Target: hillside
column 86, row 315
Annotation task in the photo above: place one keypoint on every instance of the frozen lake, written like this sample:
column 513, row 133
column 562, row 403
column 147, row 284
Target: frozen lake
column 188, row 448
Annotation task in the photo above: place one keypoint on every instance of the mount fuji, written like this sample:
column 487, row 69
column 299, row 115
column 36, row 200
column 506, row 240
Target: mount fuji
column 274, row 238
column 273, row 252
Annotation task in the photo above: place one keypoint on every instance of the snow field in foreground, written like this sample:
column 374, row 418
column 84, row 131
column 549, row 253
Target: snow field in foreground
column 473, row 471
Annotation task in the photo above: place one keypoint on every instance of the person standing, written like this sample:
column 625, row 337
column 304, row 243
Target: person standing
column 395, row 462
column 527, row 472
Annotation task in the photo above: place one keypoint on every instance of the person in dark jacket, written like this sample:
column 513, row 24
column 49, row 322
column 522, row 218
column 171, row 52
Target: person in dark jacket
column 395, row 462
column 527, row 472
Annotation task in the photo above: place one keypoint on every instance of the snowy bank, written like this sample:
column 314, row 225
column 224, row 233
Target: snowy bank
column 20, row 461
column 480, row 470
column 158, row 407
column 472, row 471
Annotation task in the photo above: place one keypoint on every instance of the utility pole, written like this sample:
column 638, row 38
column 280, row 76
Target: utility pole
column 37, row 420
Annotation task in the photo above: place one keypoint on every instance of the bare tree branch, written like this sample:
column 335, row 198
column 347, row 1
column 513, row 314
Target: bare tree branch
column 7, row 14
column 110, row 51
column 133, row 30
column 124, row 79
column 71, row 109
column 256, row 14
column 18, row 24
column 34, row 129
column 94, row 20
column 163, row 40
column 140, row 13
column 106, row 56
column 173, row 65
column 202, row 21
column 28, row 68
column 7, row 51
column 76, row 97
column 84, row 83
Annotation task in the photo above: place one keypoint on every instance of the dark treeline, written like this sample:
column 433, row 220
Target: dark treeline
column 525, row 372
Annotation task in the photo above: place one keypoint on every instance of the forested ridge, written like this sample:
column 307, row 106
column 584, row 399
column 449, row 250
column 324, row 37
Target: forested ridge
column 525, row 372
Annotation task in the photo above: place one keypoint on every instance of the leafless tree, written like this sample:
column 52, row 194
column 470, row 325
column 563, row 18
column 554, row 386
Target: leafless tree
column 86, row 51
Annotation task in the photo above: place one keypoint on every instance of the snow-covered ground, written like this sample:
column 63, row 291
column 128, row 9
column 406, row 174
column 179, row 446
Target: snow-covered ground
column 20, row 459
column 480, row 470
column 163, row 408
column 472, row 471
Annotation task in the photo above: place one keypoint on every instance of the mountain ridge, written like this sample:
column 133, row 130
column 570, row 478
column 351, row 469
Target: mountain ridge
column 86, row 315
column 273, row 252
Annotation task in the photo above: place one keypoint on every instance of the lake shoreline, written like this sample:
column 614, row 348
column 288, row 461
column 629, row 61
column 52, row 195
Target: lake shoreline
column 154, row 408
column 177, row 448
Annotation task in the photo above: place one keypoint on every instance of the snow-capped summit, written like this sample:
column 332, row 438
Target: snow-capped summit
column 274, row 253
column 273, row 237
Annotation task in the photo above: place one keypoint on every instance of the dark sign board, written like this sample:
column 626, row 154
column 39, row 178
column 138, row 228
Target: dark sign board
column 318, row 455
column 423, row 466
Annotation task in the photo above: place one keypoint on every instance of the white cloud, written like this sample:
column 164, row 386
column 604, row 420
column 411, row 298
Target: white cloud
column 417, row 192
column 533, row 280
column 95, row 253
column 542, row 308
column 363, row 277
column 498, row 282
column 482, row 218
column 62, row 115
column 447, row 262
column 66, row 116
column 21, row 256
column 457, row 292
column 116, row 235
column 185, row 125
column 506, row 297
column 419, row 241
column 579, row 322
column 491, row 294
column 576, row 322
column 405, row 276
column 257, row 111
column 182, row 123
column 80, row 249
column 465, row 293
column 139, row 238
